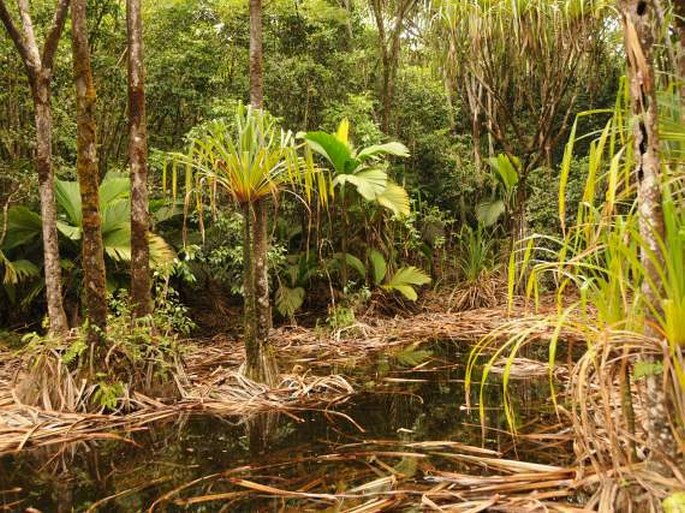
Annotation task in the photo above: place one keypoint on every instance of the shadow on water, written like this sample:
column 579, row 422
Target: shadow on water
column 413, row 396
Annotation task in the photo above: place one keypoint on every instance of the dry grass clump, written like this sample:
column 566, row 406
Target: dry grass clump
column 223, row 392
column 606, row 389
column 54, row 373
column 487, row 291
column 609, row 388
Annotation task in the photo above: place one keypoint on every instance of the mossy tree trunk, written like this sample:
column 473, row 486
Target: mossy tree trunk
column 137, row 155
column 39, row 70
column 260, row 362
column 639, row 22
column 92, row 252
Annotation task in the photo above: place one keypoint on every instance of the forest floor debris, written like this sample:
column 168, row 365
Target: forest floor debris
column 213, row 384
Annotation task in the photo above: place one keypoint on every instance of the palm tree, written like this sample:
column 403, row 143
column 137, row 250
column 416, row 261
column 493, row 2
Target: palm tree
column 251, row 160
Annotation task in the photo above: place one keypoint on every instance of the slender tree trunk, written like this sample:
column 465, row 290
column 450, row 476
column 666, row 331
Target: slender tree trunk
column 639, row 18
column 249, row 334
column 262, row 367
column 87, row 168
column 519, row 230
column 261, row 278
column 260, row 364
column 256, row 71
column 39, row 71
column 386, row 79
column 137, row 155
column 46, row 180
column 386, row 92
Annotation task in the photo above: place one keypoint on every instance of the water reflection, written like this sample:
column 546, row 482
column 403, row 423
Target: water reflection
column 175, row 465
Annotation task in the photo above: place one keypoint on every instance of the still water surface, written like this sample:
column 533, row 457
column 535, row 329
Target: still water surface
column 175, row 465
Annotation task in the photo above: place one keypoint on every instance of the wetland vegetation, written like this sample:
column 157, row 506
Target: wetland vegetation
column 359, row 255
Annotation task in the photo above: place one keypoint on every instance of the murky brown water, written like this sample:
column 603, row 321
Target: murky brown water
column 324, row 451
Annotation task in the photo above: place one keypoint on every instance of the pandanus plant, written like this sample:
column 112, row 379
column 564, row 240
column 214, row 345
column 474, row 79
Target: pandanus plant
column 252, row 160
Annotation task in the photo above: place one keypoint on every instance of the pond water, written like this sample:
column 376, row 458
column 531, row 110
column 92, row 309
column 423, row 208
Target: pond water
column 207, row 463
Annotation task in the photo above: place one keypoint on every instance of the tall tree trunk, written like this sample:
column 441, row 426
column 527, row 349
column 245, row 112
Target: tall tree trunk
column 386, row 79
column 87, row 168
column 39, row 71
column 261, row 278
column 48, row 210
column 256, row 71
column 260, row 363
column 389, row 43
column 519, row 231
column 639, row 18
column 262, row 367
column 137, row 155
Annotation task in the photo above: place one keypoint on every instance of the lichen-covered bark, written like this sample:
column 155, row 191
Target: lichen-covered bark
column 261, row 246
column 248, row 286
column 639, row 21
column 256, row 72
column 92, row 252
column 51, row 262
column 260, row 361
column 39, row 71
column 137, row 154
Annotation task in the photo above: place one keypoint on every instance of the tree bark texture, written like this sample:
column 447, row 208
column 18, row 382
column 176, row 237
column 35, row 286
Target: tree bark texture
column 39, row 71
column 261, row 278
column 260, row 361
column 256, row 71
column 389, row 43
column 87, row 167
column 137, row 155
column 248, row 286
column 639, row 19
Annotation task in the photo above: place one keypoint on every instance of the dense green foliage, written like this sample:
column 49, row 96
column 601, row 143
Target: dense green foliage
column 323, row 63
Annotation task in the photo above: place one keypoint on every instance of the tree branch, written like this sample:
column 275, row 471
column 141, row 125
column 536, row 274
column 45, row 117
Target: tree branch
column 29, row 35
column 16, row 36
column 52, row 40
